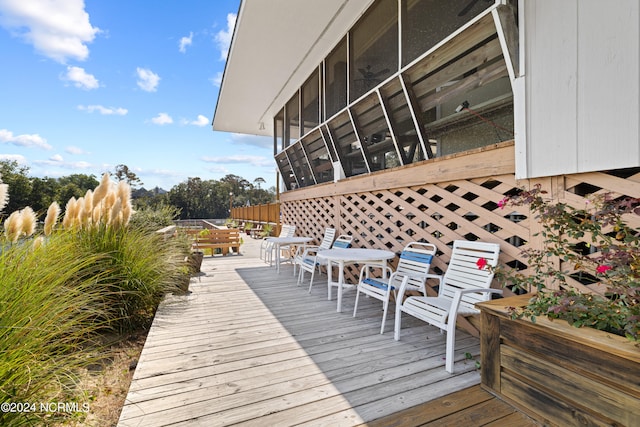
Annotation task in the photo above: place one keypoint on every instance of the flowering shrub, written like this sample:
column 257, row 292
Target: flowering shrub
column 597, row 242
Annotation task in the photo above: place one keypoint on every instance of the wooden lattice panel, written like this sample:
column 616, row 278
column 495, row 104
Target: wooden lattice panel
column 382, row 213
column 435, row 213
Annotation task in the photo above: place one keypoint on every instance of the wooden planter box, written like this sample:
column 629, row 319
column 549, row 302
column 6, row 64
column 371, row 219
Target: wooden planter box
column 556, row 373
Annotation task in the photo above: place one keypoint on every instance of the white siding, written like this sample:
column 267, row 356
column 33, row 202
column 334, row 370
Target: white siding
column 582, row 86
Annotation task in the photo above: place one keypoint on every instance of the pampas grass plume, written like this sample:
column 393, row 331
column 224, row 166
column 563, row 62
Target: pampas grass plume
column 29, row 221
column 116, row 214
column 69, row 214
column 52, row 218
column 38, row 242
column 101, row 190
column 87, row 209
column 13, row 226
column 4, row 195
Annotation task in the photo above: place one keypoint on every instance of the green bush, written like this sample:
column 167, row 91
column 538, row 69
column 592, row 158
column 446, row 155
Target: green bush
column 154, row 218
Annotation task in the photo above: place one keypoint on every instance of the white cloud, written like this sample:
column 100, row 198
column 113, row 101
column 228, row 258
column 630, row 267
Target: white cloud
column 223, row 37
column 14, row 157
column 162, row 119
column 81, row 79
column 201, row 121
column 107, row 111
column 219, row 170
column 147, row 79
column 258, row 161
column 184, row 42
column 75, row 150
column 24, row 140
column 252, row 140
column 59, row 162
column 57, row 29
column 217, row 79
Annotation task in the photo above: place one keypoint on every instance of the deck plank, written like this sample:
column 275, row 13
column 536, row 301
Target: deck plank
column 249, row 346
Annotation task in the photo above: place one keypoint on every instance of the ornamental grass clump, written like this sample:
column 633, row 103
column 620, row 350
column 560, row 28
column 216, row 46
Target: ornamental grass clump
column 142, row 265
column 597, row 247
column 64, row 286
column 51, row 311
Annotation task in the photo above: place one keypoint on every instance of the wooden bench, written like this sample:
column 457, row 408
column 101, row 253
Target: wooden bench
column 218, row 238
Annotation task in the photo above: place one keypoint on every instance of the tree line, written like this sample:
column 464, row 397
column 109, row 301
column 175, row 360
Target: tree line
column 193, row 198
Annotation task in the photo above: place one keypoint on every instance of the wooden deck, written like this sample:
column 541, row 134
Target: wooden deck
column 248, row 346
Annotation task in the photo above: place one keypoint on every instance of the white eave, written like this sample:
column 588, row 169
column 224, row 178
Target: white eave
column 275, row 47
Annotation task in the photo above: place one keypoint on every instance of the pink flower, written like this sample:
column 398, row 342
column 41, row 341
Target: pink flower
column 481, row 263
column 502, row 203
column 601, row 269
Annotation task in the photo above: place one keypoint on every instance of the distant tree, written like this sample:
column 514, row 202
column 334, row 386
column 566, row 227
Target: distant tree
column 123, row 173
column 15, row 175
column 44, row 191
column 258, row 181
column 75, row 185
column 82, row 181
column 200, row 199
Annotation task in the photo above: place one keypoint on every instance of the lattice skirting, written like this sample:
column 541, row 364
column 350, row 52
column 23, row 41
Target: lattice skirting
column 441, row 200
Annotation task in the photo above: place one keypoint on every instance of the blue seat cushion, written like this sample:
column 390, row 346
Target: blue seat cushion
column 417, row 257
column 377, row 284
column 341, row 244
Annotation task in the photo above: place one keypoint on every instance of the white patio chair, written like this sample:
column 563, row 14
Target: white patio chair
column 311, row 263
column 304, row 252
column 267, row 247
column 464, row 284
column 410, row 274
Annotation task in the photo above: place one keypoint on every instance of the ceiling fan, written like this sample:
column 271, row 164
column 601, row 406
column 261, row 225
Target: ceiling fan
column 470, row 6
column 370, row 78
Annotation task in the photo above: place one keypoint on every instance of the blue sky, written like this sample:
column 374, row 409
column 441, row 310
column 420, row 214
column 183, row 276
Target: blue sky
column 89, row 85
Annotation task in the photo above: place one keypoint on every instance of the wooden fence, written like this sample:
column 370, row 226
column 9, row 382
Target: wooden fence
column 259, row 214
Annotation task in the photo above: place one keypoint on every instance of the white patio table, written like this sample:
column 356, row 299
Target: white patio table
column 284, row 241
column 342, row 257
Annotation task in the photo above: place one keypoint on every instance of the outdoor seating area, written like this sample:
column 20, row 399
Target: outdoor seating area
column 294, row 359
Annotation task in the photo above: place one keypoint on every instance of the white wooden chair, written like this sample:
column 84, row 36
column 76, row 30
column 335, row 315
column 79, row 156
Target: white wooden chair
column 311, row 263
column 410, row 274
column 464, row 284
column 304, row 252
column 267, row 247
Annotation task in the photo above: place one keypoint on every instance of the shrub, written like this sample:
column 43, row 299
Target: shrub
column 612, row 258
column 152, row 219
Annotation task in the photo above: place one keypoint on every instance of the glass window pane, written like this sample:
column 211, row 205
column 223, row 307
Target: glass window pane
column 310, row 103
column 300, row 165
column 293, row 120
column 326, row 135
column 427, row 22
column 374, row 133
column 336, row 79
column 402, row 122
column 347, row 145
column 285, row 171
column 278, row 127
column 374, row 48
column 467, row 103
column 318, row 156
